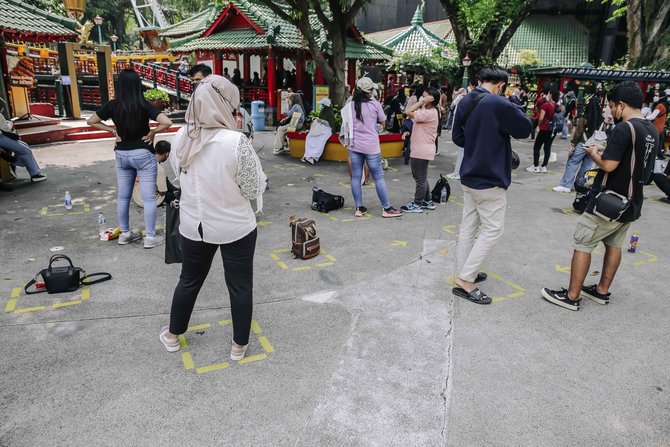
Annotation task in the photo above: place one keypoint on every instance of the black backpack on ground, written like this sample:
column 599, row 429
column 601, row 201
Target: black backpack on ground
column 325, row 202
column 437, row 191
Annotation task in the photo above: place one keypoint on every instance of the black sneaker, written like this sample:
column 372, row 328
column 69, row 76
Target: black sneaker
column 591, row 292
column 560, row 298
column 360, row 211
column 38, row 178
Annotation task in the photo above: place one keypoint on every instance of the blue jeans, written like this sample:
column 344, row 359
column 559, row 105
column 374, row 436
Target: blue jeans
column 142, row 164
column 578, row 163
column 24, row 156
column 375, row 165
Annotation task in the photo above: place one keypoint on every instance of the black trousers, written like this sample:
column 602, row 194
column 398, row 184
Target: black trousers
column 238, row 266
column 420, row 174
column 663, row 182
column 543, row 138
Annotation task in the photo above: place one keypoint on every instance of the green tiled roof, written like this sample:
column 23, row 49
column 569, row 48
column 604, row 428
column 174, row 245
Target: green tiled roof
column 278, row 33
column 194, row 24
column 558, row 40
column 416, row 39
column 19, row 16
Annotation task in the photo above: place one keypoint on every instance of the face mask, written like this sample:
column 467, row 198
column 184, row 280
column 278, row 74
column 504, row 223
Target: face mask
column 656, row 98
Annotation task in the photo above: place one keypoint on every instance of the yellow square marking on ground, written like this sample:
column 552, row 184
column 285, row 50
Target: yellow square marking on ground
column 214, row 367
column 199, row 327
column 182, row 342
column 284, row 266
column 253, row 358
column 66, row 303
column 11, row 305
column 53, row 210
column 224, row 322
column 255, row 328
column 187, row 360
column 29, row 309
column 520, row 290
column 265, row 343
column 85, row 294
column 298, row 269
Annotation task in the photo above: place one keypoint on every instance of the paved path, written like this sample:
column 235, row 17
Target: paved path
column 364, row 345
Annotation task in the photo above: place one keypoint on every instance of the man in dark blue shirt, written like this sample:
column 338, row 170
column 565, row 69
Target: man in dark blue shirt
column 483, row 125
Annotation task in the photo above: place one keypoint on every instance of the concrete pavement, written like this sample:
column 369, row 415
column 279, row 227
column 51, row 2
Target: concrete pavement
column 363, row 345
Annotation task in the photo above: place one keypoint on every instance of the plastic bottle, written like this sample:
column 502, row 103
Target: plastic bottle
column 443, row 196
column 101, row 223
column 68, row 200
column 633, row 242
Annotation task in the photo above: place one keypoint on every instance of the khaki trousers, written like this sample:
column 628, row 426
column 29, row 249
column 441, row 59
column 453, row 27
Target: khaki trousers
column 482, row 225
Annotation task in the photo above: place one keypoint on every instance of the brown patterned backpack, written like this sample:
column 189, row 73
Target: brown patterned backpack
column 305, row 242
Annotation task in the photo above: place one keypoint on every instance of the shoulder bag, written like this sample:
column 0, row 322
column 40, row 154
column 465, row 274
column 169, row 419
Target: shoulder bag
column 609, row 204
column 63, row 279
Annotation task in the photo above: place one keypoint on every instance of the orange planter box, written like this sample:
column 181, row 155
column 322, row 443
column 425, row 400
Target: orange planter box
column 391, row 145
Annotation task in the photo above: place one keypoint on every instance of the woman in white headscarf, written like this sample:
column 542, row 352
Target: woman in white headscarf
column 220, row 174
column 321, row 129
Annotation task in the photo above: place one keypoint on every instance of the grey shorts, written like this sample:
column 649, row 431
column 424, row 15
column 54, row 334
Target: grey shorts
column 592, row 230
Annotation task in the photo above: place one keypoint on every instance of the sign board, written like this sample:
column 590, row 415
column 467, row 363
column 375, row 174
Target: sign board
column 320, row 92
column 293, row 125
column 21, row 71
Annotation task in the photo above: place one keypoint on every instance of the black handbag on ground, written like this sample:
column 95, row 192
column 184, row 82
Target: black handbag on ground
column 611, row 205
column 325, row 202
column 172, row 235
column 64, row 279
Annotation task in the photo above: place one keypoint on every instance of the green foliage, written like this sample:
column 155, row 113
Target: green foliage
column 441, row 63
column 479, row 14
column 178, row 10
column 529, row 58
column 156, row 95
column 619, row 12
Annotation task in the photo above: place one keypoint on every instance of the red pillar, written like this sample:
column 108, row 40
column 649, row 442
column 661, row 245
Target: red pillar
column 300, row 72
column 351, row 73
column 318, row 77
column 272, row 80
column 246, row 62
column 218, row 63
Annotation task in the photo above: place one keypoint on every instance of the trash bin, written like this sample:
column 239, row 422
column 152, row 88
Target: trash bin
column 258, row 115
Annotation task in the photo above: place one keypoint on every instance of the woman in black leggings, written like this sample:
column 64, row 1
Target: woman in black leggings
column 544, row 136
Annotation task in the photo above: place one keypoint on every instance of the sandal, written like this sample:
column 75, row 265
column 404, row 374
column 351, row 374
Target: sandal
column 476, row 296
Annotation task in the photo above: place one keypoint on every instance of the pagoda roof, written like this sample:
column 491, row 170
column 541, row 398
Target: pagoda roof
column 245, row 25
column 31, row 22
column 415, row 39
column 602, row 74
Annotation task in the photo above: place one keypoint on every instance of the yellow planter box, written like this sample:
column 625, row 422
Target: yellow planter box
column 391, row 146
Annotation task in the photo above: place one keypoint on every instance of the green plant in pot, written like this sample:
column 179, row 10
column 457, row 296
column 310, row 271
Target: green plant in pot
column 157, row 98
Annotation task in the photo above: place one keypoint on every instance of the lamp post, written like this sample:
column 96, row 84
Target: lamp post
column 114, row 38
column 98, row 21
column 466, row 63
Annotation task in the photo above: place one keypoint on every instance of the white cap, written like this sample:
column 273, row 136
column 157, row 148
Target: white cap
column 366, row 84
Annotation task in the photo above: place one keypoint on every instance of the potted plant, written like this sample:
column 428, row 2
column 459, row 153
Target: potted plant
column 157, row 98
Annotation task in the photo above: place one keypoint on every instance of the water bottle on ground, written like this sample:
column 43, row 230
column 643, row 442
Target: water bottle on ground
column 633, row 242
column 443, row 196
column 68, row 200
column 101, row 223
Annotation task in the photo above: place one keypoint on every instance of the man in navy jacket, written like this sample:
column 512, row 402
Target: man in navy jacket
column 483, row 125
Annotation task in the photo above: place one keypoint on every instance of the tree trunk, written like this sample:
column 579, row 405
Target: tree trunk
column 338, row 81
column 647, row 21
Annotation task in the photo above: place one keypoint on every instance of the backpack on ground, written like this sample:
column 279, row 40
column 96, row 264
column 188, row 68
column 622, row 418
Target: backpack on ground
column 305, row 242
column 437, row 191
column 325, row 202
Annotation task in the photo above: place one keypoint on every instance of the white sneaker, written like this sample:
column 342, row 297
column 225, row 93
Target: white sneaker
column 454, row 176
column 151, row 242
column 560, row 188
column 131, row 237
column 237, row 351
column 533, row 169
column 543, row 170
column 170, row 345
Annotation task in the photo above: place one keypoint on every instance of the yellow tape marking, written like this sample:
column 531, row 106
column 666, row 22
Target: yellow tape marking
column 298, row 269
column 182, row 342
column 333, row 218
column 85, row 294
column 67, row 303
column 325, row 264
column 331, row 258
column 16, row 291
column 283, row 250
column 347, row 220
column 265, row 343
column 498, row 299
column 224, row 322
column 275, row 257
column 263, row 223
column 255, row 327
column 87, row 208
column 444, row 252
column 516, row 294
column 199, row 327
column 283, row 265
column 253, row 358
column 213, row 367
column 187, row 360
column 11, row 304
column 44, row 211
column 451, row 229
column 29, row 309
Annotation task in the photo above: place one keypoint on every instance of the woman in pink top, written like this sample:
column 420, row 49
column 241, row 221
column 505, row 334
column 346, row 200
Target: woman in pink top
column 367, row 113
column 426, row 119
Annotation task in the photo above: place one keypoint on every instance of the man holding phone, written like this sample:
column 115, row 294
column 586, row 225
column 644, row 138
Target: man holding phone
column 633, row 136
